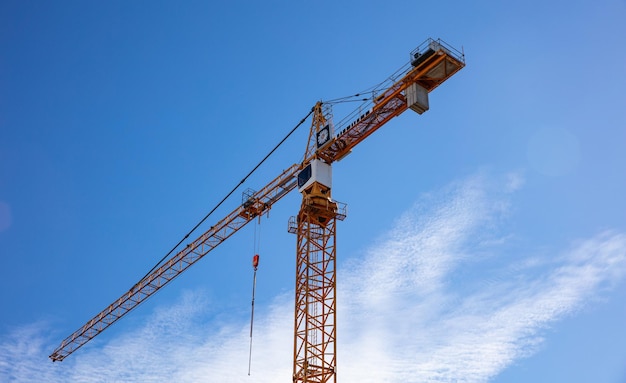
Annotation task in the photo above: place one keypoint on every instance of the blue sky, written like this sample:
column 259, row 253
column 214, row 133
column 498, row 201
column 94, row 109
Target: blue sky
column 485, row 239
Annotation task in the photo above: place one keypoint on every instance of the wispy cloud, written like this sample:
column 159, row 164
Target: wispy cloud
column 435, row 299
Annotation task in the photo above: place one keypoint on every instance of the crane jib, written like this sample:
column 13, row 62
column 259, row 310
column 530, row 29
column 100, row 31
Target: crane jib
column 194, row 251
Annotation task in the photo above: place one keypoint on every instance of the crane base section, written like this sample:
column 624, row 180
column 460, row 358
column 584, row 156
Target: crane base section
column 315, row 348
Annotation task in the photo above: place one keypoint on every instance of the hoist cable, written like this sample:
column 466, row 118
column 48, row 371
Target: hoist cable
column 255, row 263
column 257, row 238
column 251, row 321
column 373, row 90
column 223, row 199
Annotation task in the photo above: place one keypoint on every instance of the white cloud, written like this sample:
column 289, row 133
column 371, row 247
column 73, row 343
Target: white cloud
column 436, row 299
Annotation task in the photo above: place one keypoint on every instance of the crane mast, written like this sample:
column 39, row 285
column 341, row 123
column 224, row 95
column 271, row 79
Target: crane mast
column 315, row 347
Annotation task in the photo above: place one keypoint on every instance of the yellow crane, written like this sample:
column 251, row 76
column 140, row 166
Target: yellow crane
column 315, row 347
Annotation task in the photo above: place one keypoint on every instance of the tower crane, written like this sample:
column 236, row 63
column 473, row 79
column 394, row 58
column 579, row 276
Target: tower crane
column 315, row 347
